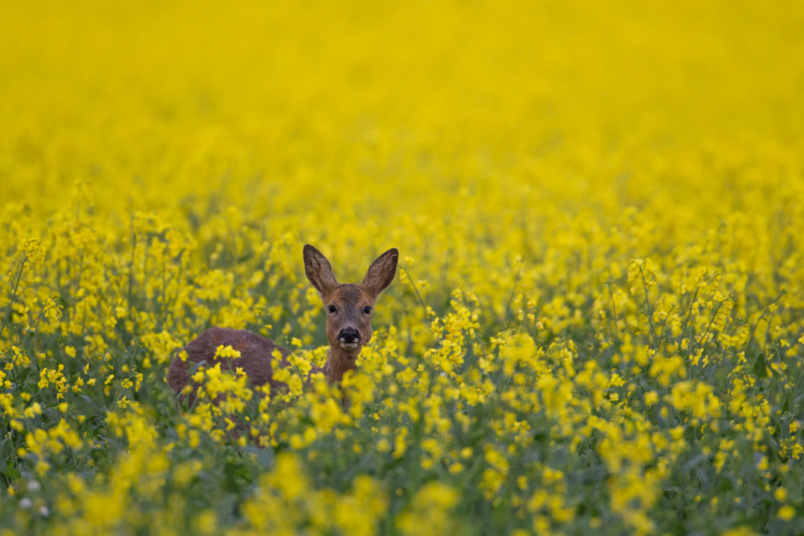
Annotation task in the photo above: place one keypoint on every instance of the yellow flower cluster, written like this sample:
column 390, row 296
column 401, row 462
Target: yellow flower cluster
column 597, row 321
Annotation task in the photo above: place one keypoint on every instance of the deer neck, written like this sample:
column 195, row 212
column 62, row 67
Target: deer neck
column 338, row 362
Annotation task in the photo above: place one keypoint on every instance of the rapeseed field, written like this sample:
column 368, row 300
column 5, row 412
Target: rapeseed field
column 597, row 324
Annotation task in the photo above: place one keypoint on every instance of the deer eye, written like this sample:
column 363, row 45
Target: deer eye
column 367, row 310
column 332, row 309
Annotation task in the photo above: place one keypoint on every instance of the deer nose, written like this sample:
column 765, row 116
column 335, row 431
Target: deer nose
column 349, row 335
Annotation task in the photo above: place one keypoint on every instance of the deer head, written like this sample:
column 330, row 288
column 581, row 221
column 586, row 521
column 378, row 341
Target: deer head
column 348, row 306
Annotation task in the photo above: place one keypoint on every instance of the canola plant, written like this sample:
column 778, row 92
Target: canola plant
column 597, row 321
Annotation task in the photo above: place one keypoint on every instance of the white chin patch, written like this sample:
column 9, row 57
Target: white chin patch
column 348, row 345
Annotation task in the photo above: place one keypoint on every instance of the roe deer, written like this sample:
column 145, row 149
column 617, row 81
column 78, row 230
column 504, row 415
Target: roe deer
column 348, row 306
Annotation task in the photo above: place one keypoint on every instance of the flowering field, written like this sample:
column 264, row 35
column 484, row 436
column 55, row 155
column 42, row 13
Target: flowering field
column 598, row 318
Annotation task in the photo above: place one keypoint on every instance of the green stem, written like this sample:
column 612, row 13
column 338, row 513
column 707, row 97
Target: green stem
column 412, row 282
column 14, row 294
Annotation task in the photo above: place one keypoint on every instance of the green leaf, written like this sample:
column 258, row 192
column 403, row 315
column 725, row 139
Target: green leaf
column 760, row 369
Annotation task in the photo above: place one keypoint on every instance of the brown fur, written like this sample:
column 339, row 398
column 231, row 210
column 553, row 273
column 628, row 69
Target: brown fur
column 255, row 357
column 256, row 360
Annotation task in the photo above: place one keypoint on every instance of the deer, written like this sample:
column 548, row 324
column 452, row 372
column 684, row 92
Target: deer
column 349, row 309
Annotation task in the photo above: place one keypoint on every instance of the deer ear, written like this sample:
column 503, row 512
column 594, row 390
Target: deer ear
column 318, row 270
column 381, row 272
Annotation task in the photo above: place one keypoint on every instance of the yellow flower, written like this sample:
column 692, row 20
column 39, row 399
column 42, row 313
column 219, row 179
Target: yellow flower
column 226, row 351
column 786, row 513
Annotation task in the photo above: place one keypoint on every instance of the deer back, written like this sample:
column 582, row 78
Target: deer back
column 255, row 359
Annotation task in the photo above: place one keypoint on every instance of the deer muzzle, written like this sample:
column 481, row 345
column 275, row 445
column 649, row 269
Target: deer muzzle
column 349, row 338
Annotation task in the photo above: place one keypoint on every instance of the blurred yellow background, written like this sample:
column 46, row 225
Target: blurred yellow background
column 598, row 316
